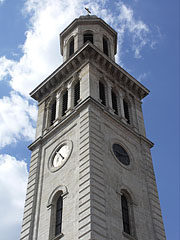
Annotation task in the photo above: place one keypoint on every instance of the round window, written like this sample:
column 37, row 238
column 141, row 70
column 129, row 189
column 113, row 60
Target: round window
column 121, row 154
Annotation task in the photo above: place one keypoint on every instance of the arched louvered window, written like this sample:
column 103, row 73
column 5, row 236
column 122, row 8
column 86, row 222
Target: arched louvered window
column 125, row 214
column 71, row 47
column 88, row 37
column 105, row 46
column 102, row 95
column 59, row 208
column 76, row 93
column 64, row 102
column 114, row 102
column 126, row 111
column 53, row 112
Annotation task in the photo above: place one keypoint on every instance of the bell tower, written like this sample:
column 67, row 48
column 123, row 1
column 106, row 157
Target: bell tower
column 91, row 174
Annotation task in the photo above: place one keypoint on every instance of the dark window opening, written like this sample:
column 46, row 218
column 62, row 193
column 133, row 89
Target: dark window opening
column 105, row 47
column 71, row 47
column 126, row 111
column 59, row 207
column 125, row 214
column 64, row 103
column 88, row 37
column 121, row 154
column 76, row 93
column 102, row 93
column 53, row 113
column 114, row 102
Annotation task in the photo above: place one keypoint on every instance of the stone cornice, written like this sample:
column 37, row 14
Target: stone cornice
column 88, row 52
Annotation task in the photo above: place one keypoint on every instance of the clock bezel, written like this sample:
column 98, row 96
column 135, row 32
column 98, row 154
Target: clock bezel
column 131, row 164
column 54, row 152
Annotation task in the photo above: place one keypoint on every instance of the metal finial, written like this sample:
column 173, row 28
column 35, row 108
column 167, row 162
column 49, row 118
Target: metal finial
column 87, row 9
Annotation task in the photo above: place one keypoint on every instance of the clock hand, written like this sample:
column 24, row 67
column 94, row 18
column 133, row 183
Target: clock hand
column 60, row 155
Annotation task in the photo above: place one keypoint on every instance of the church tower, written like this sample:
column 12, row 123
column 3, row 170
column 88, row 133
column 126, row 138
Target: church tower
column 91, row 174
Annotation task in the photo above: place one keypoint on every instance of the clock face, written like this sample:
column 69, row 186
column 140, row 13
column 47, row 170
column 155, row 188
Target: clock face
column 121, row 154
column 61, row 155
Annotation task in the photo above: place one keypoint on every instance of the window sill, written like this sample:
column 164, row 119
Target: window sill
column 128, row 236
column 59, row 236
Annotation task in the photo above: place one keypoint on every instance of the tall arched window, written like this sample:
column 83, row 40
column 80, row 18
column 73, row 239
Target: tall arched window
column 64, row 102
column 53, row 112
column 126, row 111
column 125, row 214
column 114, row 102
column 71, row 47
column 59, row 208
column 105, row 46
column 55, row 205
column 102, row 95
column 76, row 93
column 88, row 37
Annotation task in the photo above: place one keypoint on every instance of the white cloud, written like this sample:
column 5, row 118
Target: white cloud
column 41, row 55
column 138, row 31
column 16, row 117
column 1, row 1
column 6, row 67
column 13, row 181
column 142, row 76
column 47, row 18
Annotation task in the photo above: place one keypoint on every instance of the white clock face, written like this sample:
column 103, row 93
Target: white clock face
column 61, row 156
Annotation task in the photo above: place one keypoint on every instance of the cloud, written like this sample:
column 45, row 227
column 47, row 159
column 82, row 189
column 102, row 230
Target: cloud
column 41, row 55
column 16, row 116
column 13, row 181
column 1, row 1
column 6, row 67
column 47, row 18
column 137, row 30
column 142, row 76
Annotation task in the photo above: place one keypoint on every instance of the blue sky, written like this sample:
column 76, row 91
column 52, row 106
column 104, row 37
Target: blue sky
column 148, row 48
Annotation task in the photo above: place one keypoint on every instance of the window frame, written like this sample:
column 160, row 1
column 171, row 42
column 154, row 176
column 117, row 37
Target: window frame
column 52, row 112
column 126, row 108
column 131, row 203
column 69, row 46
column 115, row 105
column 102, row 95
column 60, row 191
column 106, row 48
column 64, row 100
column 76, row 101
column 89, row 32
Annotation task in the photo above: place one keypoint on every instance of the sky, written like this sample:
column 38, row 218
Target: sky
column 148, row 48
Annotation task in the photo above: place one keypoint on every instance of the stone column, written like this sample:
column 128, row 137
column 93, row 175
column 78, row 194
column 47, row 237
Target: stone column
column 109, row 97
column 47, row 115
column 57, row 106
column 122, row 114
column 69, row 105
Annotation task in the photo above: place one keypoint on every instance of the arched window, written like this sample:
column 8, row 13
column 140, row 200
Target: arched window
column 114, row 102
column 125, row 214
column 88, row 37
column 102, row 93
column 55, row 205
column 76, row 93
column 71, row 47
column 105, row 46
column 53, row 112
column 126, row 111
column 64, row 102
column 59, row 208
